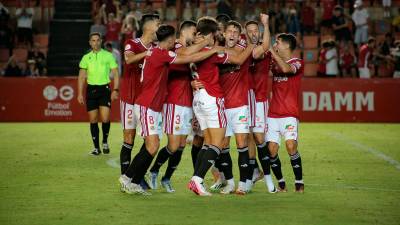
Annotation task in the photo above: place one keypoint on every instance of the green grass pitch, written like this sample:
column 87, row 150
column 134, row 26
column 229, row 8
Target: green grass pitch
column 351, row 174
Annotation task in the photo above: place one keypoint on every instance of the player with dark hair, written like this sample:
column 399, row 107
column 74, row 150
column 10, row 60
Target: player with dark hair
column 95, row 67
column 149, row 103
column 208, row 105
column 283, row 117
column 259, row 73
column 177, row 112
column 135, row 51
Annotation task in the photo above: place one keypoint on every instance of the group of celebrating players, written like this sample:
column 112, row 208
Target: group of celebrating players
column 213, row 81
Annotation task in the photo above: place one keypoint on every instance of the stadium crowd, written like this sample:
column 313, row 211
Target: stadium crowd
column 316, row 23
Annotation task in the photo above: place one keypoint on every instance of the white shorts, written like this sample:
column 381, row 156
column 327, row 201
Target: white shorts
column 150, row 121
column 209, row 110
column 261, row 117
column 361, row 35
column 286, row 127
column 196, row 127
column 252, row 107
column 177, row 119
column 238, row 121
column 129, row 121
column 364, row 72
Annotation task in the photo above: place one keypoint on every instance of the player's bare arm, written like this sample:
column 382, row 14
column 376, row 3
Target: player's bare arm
column 195, row 47
column 131, row 57
column 81, row 83
column 199, row 56
column 285, row 67
column 259, row 51
column 239, row 59
column 115, row 91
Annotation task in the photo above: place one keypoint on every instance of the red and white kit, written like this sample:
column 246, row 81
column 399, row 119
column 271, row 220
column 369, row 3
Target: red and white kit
column 178, row 113
column 208, row 103
column 130, row 84
column 235, row 85
column 259, row 70
column 149, row 103
column 284, row 109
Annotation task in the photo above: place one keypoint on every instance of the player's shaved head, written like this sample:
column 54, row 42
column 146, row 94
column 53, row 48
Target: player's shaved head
column 147, row 18
column 164, row 32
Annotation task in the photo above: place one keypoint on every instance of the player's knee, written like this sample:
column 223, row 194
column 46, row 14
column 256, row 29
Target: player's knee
column 273, row 148
column 291, row 146
column 259, row 139
column 129, row 137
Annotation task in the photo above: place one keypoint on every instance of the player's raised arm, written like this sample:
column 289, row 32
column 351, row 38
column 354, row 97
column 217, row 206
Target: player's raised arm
column 261, row 49
column 241, row 58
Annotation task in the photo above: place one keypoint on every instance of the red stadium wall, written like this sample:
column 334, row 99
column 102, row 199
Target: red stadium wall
column 322, row 100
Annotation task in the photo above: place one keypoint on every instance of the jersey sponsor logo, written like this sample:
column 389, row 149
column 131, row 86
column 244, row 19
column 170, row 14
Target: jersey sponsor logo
column 280, row 79
column 171, row 53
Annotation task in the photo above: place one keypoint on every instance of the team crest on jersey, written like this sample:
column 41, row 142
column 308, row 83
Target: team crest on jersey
column 289, row 127
column 297, row 65
column 171, row 53
column 127, row 47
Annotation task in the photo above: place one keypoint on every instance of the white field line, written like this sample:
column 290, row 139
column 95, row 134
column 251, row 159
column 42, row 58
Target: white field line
column 351, row 187
column 364, row 148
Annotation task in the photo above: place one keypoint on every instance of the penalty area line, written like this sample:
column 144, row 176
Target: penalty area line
column 364, row 148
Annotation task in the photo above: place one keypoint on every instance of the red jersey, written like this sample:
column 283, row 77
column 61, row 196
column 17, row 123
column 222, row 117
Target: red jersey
column 154, row 79
column 113, row 30
column 286, row 90
column 364, row 56
column 234, row 82
column 322, row 61
column 208, row 73
column 130, row 81
column 259, row 70
column 347, row 60
column 179, row 89
column 328, row 6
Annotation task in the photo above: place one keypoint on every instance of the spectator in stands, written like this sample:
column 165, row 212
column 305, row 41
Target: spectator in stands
column 133, row 10
column 113, row 24
column 292, row 23
column 129, row 27
column 31, row 70
column 98, row 27
column 117, row 55
column 277, row 17
column 386, row 8
column 6, row 36
column 347, row 61
column 12, row 68
column 111, row 6
column 387, row 44
column 360, row 18
column 322, row 59
column 364, row 58
column 24, row 23
column 4, row 13
column 39, row 58
column 224, row 7
column 332, row 69
column 396, row 21
column 340, row 25
column 326, row 23
column 308, row 18
column 395, row 53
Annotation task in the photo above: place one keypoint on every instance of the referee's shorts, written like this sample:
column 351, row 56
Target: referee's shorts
column 98, row 95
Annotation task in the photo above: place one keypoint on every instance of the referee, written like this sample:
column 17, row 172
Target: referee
column 95, row 67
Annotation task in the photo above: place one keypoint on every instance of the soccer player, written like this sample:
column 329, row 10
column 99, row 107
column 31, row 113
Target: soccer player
column 95, row 66
column 135, row 51
column 149, row 102
column 259, row 72
column 177, row 112
column 208, row 106
column 283, row 116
